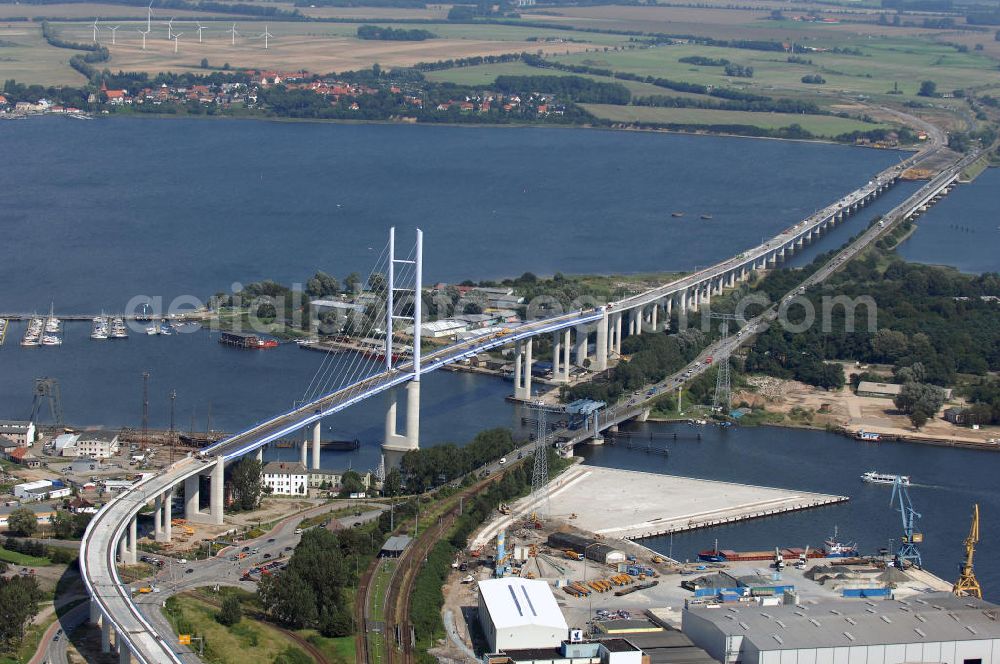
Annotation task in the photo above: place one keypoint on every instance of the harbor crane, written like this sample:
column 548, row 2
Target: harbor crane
column 967, row 584
column 908, row 550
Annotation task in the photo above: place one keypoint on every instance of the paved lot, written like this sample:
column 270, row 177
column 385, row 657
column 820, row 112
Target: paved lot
column 622, row 503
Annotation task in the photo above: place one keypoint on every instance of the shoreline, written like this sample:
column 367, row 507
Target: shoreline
column 479, row 125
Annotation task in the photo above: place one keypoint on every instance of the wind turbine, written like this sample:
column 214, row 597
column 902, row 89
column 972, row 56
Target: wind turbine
column 149, row 18
column 95, row 30
column 143, row 33
column 177, row 35
column 233, row 30
column 112, row 29
column 200, row 28
column 265, row 35
column 170, row 27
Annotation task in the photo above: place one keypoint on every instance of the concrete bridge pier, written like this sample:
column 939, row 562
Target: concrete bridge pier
column 618, row 334
column 304, row 452
column 567, row 346
column 654, row 315
column 706, row 296
column 582, row 340
column 317, row 434
column 668, row 306
column 601, row 347
column 217, row 493
column 158, row 518
column 260, row 454
column 133, row 540
column 124, row 654
column 522, row 369
column 168, row 514
column 396, row 444
column 731, row 279
column 192, row 497
column 95, row 612
column 106, row 636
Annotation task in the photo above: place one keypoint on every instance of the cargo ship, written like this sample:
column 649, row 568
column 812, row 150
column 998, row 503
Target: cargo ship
column 241, row 340
column 717, row 555
column 837, row 549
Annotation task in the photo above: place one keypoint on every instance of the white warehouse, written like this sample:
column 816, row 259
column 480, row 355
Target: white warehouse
column 520, row 613
column 933, row 627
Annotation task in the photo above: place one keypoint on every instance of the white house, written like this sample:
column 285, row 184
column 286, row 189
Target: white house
column 285, row 479
column 96, row 444
column 21, row 432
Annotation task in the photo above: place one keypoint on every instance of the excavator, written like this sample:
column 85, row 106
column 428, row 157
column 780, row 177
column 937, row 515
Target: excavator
column 967, row 584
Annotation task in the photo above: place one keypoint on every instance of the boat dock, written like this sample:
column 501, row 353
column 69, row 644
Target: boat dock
column 626, row 504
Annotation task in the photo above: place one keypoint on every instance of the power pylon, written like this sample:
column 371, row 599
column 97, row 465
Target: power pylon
column 540, row 473
column 723, row 383
column 47, row 389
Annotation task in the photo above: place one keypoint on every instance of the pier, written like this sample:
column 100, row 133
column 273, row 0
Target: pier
column 626, row 504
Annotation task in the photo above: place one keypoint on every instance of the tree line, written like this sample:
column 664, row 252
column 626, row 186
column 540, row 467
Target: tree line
column 385, row 33
column 429, row 467
column 571, row 88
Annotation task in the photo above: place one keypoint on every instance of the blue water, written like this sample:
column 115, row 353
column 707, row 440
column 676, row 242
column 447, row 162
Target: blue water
column 97, row 212
column 946, row 484
column 963, row 230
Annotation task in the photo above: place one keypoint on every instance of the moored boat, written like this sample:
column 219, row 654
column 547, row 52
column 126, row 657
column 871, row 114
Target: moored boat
column 837, row 549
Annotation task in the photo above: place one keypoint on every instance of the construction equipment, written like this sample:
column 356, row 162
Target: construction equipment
column 908, row 551
column 47, row 389
column 967, row 584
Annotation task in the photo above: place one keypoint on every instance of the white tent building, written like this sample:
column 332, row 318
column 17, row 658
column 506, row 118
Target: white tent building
column 520, row 613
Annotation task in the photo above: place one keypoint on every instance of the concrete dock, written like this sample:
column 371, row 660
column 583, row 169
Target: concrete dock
column 627, row 504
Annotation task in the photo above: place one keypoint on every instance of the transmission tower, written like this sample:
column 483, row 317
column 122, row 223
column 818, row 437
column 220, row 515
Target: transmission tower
column 540, row 474
column 723, row 384
column 379, row 472
column 47, row 389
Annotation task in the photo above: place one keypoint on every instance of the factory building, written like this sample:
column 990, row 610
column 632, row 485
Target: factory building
column 593, row 549
column 934, row 627
column 520, row 613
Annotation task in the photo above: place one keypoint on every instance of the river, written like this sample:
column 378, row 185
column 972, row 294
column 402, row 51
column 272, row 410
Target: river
column 962, row 230
column 97, row 212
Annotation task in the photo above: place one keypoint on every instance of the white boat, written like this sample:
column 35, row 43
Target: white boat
column 152, row 330
column 118, row 329
column 99, row 331
column 53, row 325
column 51, row 340
column 875, row 477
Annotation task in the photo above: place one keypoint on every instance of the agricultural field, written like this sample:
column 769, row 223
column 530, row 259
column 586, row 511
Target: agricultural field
column 820, row 125
column 26, row 57
column 884, row 63
column 316, row 47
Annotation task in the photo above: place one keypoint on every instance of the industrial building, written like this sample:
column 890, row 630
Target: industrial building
column 933, row 627
column 610, row 651
column 598, row 551
column 21, row 432
column 517, row 613
column 40, row 490
column 91, row 444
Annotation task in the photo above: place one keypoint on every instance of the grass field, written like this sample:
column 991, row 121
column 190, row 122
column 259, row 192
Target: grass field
column 820, row 125
column 341, row 649
column 229, row 645
column 906, row 61
column 32, row 60
column 15, row 558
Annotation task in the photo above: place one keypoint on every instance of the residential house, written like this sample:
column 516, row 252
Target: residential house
column 97, row 444
column 285, row 479
column 20, row 431
column 331, row 479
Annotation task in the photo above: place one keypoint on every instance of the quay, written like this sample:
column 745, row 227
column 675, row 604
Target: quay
column 625, row 504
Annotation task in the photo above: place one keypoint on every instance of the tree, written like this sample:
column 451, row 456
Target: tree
column 928, row 89
column 918, row 418
column 322, row 285
column 920, row 401
column 22, row 522
column 352, row 282
column 393, row 485
column 19, row 597
column 351, row 482
column 246, row 483
column 63, row 524
column 204, row 63
column 231, row 611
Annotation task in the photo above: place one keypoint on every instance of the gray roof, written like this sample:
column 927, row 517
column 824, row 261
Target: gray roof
column 7, row 443
column 284, row 468
column 99, row 435
column 928, row 618
column 396, row 543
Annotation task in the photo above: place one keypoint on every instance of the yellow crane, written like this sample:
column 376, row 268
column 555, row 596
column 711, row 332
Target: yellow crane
column 967, row 584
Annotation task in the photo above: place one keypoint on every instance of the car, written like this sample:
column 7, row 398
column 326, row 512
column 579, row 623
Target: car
column 267, row 555
column 357, row 523
column 189, row 570
column 708, row 360
column 298, row 531
column 270, row 541
column 503, row 460
column 245, row 549
column 255, row 550
column 288, row 548
column 55, row 638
